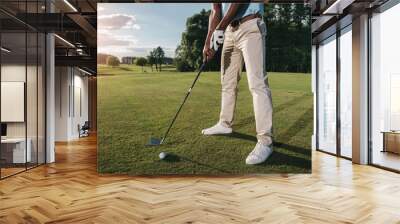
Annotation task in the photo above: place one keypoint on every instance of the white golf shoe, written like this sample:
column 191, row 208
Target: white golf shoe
column 217, row 129
column 259, row 154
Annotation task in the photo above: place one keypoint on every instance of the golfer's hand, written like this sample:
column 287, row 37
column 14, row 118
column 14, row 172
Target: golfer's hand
column 208, row 53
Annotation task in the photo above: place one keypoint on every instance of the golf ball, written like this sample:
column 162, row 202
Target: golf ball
column 162, row 155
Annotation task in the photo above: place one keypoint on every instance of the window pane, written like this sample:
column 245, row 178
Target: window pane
column 14, row 153
column 41, row 99
column 385, row 83
column 31, row 97
column 22, row 89
column 346, row 93
column 327, row 95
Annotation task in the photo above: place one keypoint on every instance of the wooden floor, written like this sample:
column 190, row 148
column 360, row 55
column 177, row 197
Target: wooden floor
column 5, row 172
column 70, row 191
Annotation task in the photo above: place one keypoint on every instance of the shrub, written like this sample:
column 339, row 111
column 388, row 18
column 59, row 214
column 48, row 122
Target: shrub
column 141, row 62
column 112, row 61
column 182, row 65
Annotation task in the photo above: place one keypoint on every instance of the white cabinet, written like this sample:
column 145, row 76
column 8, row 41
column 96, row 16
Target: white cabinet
column 19, row 155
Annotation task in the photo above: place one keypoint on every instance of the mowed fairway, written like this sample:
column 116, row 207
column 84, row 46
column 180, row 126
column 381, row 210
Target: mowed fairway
column 135, row 105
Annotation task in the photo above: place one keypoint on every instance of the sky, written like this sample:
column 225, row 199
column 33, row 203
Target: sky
column 134, row 29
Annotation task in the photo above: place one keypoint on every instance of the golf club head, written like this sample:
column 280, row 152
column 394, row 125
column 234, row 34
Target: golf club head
column 154, row 142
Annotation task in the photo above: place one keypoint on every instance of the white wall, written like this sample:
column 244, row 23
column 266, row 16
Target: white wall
column 14, row 73
column 13, row 101
column 70, row 83
column 79, row 117
column 62, row 82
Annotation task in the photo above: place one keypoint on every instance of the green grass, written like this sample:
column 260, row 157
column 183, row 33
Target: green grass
column 133, row 106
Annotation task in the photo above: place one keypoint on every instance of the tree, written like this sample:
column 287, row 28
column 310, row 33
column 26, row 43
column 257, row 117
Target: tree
column 288, row 43
column 112, row 61
column 151, row 59
column 156, row 57
column 160, row 55
column 192, row 41
column 141, row 62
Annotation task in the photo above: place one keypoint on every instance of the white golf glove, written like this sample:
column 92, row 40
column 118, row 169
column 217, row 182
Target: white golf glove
column 217, row 39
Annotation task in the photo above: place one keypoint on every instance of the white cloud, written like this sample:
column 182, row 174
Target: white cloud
column 136, row 26
column 107, row 40
column 117, row 21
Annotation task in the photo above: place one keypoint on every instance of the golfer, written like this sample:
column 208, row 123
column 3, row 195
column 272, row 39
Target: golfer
column 241, row 30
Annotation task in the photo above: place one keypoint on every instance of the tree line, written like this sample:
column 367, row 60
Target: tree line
column 155, row 58
column 288, row 42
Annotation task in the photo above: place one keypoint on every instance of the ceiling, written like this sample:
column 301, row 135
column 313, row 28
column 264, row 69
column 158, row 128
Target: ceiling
column 73, row 21
column 330, row 15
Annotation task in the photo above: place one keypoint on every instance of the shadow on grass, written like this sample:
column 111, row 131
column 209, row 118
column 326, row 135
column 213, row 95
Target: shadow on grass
column 277, row 109
column 251, row 138
column 125, row 69
column 293, row 148
column 173, row 158
column 242, row 136
column 278, row 158
column 298, row 125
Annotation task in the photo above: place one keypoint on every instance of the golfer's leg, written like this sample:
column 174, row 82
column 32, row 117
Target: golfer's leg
column 231, row 67
column 253, row 49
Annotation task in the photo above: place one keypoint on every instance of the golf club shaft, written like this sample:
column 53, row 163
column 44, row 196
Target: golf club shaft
column 183, row 102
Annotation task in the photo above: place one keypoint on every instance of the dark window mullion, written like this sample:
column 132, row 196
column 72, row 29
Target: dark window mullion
column 369, row 100
column 26, row 86
column 1, row 53
column 37, row 89
column 338, row 77
column 317, row 97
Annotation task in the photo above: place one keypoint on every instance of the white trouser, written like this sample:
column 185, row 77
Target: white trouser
column 247, row 41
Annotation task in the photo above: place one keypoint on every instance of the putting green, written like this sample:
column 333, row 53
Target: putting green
column 134, row 106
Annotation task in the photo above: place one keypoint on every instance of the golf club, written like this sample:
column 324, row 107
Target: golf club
column 157, row 141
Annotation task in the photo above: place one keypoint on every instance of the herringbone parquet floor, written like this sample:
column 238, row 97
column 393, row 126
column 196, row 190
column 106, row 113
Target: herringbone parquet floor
column 70, row 191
